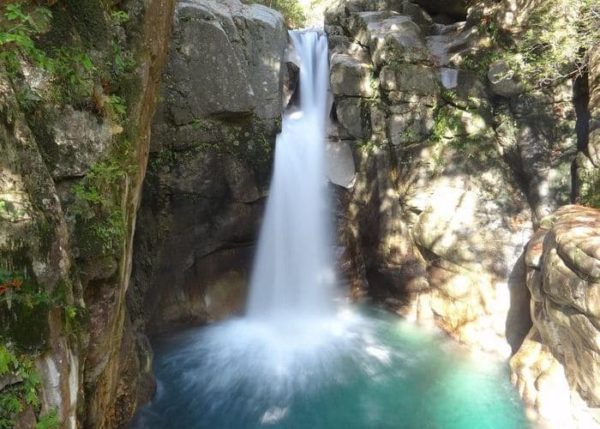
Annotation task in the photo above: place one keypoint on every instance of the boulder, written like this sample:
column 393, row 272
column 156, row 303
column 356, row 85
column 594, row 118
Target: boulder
column 562, row 260
column 208, row 36
column 354, row 116
column 502, row 79
column 391, row 37
column 350, row 77
column 341, row 170
column 418, row 80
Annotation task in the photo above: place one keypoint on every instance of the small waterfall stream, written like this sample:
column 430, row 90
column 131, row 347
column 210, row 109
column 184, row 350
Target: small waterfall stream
column 298, row 359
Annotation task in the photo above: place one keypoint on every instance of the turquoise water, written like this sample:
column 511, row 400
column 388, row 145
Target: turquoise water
column 374, row 372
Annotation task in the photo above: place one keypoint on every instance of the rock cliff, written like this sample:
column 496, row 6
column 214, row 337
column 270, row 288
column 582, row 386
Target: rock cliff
column 222, row 99
column 558, row 364
column 445, row 157
column 78, row 88
column 456, row 160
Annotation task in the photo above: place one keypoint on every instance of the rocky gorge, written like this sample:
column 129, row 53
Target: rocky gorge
column 136, row 166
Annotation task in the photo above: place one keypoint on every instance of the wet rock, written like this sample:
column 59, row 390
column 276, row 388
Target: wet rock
column 210, row 162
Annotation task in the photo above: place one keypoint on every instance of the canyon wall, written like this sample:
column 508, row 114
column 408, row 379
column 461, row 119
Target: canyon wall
column 444, row 161
column 455, row 160
column 78, row 89
column 210, row 163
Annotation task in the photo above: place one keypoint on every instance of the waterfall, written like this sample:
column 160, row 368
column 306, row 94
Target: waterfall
column 297, row 361
column 293, row 274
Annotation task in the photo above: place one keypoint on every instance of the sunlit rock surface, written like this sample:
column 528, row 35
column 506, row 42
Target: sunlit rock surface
column 563, row 347
column 426, row 225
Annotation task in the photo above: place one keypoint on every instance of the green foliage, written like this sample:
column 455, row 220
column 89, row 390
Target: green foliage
column 119, row 16
column 22, row 392
column 590, row 189
column 48, row 421
column 18, row 29
column 71, row 69
column 368, row 146
column 98, row 208
column 553, row 45
column 74, row 73
column 122, row 59
column 290, row 9
column 17, row 287
column 479, row 62
column 557, row 37
column 116, row 108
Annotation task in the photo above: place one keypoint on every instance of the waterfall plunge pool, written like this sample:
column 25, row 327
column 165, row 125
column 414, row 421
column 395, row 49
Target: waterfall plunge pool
column 366, row 369
column 295, row 361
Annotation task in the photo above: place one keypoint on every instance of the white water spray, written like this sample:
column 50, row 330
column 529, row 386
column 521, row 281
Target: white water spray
column 295, row 360
column 293, row 275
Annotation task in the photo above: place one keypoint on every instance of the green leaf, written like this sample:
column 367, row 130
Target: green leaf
column 7, row 359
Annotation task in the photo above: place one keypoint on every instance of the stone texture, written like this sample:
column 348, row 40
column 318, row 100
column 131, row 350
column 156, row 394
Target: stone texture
column 429, row 230
column 408, row 78
column 390, row 37
column 79, row 141
column 209, row 37
column 594, row 107
column 354, row 116
column 563, row 279
column 341, row 170
column 35, row 245
column 79, row 340
column 210, row 163
column 502, row 79
column 350, row 77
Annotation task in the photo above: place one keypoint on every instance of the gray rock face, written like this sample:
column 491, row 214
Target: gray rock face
column 350, row 76
column 396, row 38
column 209, row 163
column 502, row 80
column 79, row 142
column 243, row 43
column 354, row 116
column 409, row 78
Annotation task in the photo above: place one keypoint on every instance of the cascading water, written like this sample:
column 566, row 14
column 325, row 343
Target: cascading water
column 297, row 360
column 293, row 274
